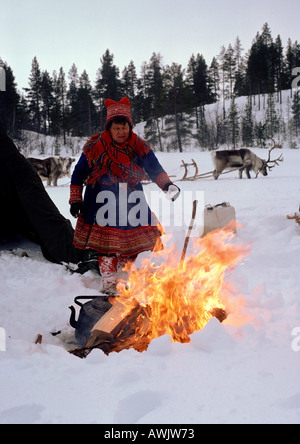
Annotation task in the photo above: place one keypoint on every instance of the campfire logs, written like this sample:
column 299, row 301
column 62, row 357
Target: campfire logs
column 123, row 327
column 174, row 299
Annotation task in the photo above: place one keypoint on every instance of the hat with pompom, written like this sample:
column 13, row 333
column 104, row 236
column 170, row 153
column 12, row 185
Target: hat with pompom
column 118, row 109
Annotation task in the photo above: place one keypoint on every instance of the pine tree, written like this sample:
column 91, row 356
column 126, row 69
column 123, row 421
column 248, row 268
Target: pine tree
column 241, row 86
column 222, row 132
column 248, row 124
column 156, row 87
column 133, row 90
column 34, row 95
column 203, row 131
column 233, row 123
column 230, row 69
column 108, row 84
column 73, row 83
column 60, row 94
column 238, row 49
column 144, row 100
column 260, row 133
column 289, row 65
column 86, row 111
column 197, row 78
column 296, row 112
column 176, row 92
column 72, row 121
column 129, row 81
column 152, row 135
column 47, row 92
column 261, row 64
column 129, row 86
column 271, row 118
column 59, row 112
column 222, row 66
column 214, row 79
column 156, row 92
column 82, row 115
column 289, row 122
column 279, row 63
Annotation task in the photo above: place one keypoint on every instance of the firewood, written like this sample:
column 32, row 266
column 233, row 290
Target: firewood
column 131, row 332
column 113, row 317
column 125, row 326
column 122, row 327
column 219, row 313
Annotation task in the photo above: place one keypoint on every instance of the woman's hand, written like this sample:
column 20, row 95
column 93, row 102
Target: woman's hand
column 76, row 208
column 172, row 192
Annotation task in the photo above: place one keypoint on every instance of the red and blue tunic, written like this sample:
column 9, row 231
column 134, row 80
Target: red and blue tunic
column 111, row 221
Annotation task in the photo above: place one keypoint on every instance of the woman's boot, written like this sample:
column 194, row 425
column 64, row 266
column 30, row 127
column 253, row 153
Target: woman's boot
column 108, row 266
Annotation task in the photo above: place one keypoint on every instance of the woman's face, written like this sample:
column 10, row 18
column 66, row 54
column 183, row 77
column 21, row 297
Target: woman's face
column 119, row 132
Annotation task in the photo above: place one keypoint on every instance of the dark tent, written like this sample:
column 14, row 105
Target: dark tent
column 26, row 208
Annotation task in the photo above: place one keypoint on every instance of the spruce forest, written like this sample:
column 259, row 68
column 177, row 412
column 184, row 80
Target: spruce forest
column 168, row 99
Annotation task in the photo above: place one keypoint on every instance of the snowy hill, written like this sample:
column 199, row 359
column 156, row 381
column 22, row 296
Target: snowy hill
column 245, row 370
column 39, row 145
column 213, row 118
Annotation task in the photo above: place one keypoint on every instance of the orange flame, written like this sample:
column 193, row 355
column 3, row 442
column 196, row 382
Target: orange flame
column 182, row 298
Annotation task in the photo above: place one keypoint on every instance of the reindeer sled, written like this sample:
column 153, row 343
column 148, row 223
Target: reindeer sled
column 295, row 217
column 226, row 161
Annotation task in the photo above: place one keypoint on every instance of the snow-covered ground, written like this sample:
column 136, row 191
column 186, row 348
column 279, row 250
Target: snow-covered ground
column 245, row 370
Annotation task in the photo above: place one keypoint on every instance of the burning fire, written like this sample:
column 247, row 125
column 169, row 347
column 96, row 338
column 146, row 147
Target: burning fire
column 181, row 298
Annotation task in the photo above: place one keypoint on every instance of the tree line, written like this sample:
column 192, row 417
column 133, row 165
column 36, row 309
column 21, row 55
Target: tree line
column 61, row 104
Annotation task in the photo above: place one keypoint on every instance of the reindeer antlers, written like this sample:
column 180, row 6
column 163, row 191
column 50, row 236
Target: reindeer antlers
column 274, row 161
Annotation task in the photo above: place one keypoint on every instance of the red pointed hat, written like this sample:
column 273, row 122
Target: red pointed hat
column 121, row 108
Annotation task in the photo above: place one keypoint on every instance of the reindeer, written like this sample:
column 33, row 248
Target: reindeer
column 244, row 159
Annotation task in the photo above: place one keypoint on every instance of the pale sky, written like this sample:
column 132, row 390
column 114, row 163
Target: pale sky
column 62, row 32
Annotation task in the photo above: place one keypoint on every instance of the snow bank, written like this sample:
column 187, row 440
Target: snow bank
column 245, row 370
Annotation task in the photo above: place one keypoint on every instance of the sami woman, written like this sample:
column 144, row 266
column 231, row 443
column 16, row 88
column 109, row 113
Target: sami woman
column 114, row 218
